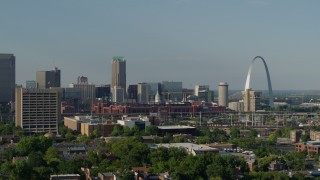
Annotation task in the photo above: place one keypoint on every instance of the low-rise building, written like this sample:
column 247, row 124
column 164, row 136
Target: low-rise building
column 311, row 147
column 107, row 176
column 178, row 129
column 191, row 148
column 315, row 135
column 104, row 128
column 88, row 124
column 142, row 122
column 65, row 177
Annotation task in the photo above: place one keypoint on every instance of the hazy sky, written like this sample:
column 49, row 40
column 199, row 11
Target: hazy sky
column 193, row 41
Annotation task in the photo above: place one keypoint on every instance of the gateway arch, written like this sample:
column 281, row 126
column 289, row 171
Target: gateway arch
column 247, row 86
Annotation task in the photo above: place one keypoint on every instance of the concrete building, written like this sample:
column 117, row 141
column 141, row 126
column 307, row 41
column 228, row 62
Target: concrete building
column 141, row 122
column 236, row 106
column 7, row 78
column 172, row 90
column 87, row 124
column 118, row 72
column 203, row 93
column 199, row 88
column 118, row 95
column 38, row 110
column 47, row 79
column 251, row 100
column 223, row 94
column 105, row 128
column 65, row 177
column 315, row 135
column 87, row 92
column 143, row 93
column 31, row 84
column 193, row 149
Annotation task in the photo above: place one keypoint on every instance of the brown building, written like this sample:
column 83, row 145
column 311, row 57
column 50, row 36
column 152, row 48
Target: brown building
column 38, row 110
column 311, row 147
column 105, row 128
column 87, row 124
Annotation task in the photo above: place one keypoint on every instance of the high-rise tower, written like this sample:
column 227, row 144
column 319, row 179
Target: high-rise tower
column 223, row 94
column 7, row 77
column 118, row 72
column 47, row 79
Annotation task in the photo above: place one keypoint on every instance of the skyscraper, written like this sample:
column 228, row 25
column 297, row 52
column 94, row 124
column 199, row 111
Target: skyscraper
column 143, row 93
column 7, row 77
column 118, row 72
column 47, row 79
column 132, row 93
column 223, row 94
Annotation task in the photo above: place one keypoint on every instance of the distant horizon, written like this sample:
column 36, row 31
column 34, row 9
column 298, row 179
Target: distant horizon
column 193, row 41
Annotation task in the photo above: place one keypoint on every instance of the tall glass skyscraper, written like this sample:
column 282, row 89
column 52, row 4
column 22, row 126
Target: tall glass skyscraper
column 7, row 77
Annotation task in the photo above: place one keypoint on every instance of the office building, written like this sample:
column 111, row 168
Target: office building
column 31, row 84
column 204, row 93
column 199, row 88
column 48, row 79
column 7, row 78
column 236, row 106
column 38, row 110
column 87, row 92
column 143, row 93
column 132, row 93
column 118, row 96
column 172, row 91
column 103, row 92
column 223, row 94
column 118, row 72
column 251, row 100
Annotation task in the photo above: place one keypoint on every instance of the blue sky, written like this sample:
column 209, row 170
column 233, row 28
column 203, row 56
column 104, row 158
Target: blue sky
column 194, row 41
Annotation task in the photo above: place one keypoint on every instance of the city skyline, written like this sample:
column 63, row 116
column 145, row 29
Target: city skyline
column 196, row 42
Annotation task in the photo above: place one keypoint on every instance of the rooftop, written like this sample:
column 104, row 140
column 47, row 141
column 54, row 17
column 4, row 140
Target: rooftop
column 176, row 127
column 118, row 58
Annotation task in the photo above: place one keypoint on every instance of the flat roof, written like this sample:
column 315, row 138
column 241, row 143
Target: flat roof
column 176, row 127
column 195, row 147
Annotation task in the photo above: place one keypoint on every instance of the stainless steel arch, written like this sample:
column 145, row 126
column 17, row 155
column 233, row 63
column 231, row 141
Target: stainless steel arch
column 247, row 86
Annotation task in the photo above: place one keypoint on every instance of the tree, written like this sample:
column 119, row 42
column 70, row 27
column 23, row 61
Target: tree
column 151, row 130
column 234, row 132
column 253, row 133
column 35, row 159
column 21, row 170
column 117, row 131
column 126, row 131
column 305, row 138
column 135, row 130
column 52, row 157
